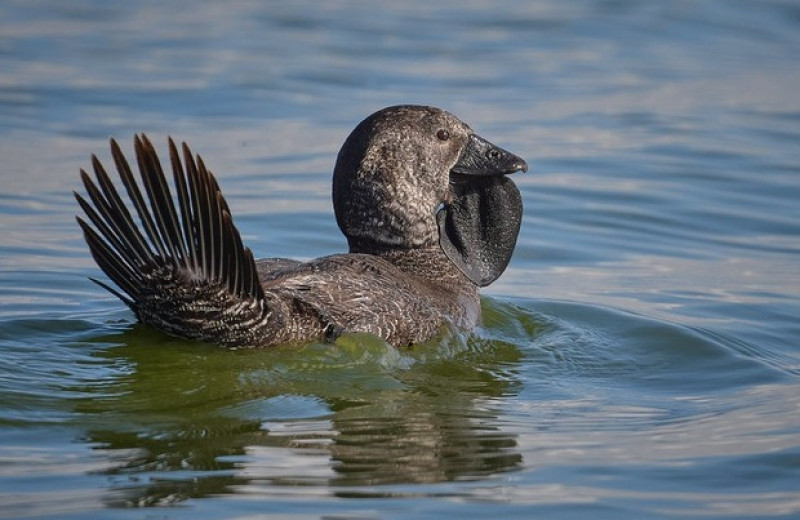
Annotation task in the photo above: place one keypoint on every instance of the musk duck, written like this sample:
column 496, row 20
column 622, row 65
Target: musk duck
column 425, row 203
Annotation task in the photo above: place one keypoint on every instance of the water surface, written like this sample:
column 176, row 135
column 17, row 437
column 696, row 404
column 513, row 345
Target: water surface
column 639, row 359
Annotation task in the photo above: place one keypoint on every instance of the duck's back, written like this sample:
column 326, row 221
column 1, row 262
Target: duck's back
column 370, row 294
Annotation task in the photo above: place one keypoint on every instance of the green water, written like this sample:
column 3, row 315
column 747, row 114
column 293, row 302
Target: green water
column 639, row 358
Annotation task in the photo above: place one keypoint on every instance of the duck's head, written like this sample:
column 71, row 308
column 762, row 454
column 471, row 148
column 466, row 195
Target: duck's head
column 418, row 177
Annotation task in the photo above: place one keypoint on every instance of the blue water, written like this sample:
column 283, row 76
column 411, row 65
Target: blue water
column 639, row 359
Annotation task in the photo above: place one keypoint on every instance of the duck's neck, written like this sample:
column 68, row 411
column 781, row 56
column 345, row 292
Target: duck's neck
column 430, row 264
column 454, row 290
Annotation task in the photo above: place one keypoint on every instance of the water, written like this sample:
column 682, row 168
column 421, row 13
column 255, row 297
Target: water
column 639, row 358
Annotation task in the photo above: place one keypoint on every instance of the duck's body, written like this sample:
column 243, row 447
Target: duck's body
column 359, row 292
column 424, row 203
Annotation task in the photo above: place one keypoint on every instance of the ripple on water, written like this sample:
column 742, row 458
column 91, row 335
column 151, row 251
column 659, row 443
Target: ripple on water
column 562, row 388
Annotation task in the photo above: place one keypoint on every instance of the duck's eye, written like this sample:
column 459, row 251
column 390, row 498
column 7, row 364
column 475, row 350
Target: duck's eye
column 443, row 135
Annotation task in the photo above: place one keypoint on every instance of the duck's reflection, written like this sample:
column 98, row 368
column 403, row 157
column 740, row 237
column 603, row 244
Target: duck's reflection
column 179, row 421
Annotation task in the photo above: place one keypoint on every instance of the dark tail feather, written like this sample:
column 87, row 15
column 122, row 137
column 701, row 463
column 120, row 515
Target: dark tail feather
column 187, row 239
column 160, row 200
column 113, row 265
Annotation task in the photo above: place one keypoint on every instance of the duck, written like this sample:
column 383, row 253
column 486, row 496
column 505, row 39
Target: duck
column 427, row 206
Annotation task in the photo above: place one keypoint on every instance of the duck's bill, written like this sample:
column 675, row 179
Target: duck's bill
column 478, row 229
column 482, row 158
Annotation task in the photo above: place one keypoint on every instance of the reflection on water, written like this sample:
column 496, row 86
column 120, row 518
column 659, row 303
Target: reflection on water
column 180, row 421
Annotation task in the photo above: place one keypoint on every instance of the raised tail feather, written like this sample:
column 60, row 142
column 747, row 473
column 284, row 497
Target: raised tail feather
column 181, row 269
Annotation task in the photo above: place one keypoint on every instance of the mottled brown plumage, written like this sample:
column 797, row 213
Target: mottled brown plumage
column 424, row 203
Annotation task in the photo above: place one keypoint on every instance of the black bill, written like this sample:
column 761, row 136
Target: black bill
column 478, row 230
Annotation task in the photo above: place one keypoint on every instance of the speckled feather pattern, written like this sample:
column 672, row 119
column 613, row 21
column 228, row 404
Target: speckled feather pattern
column 180, row 265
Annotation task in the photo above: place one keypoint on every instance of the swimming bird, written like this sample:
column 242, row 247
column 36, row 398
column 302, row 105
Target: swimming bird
column 424, row 202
